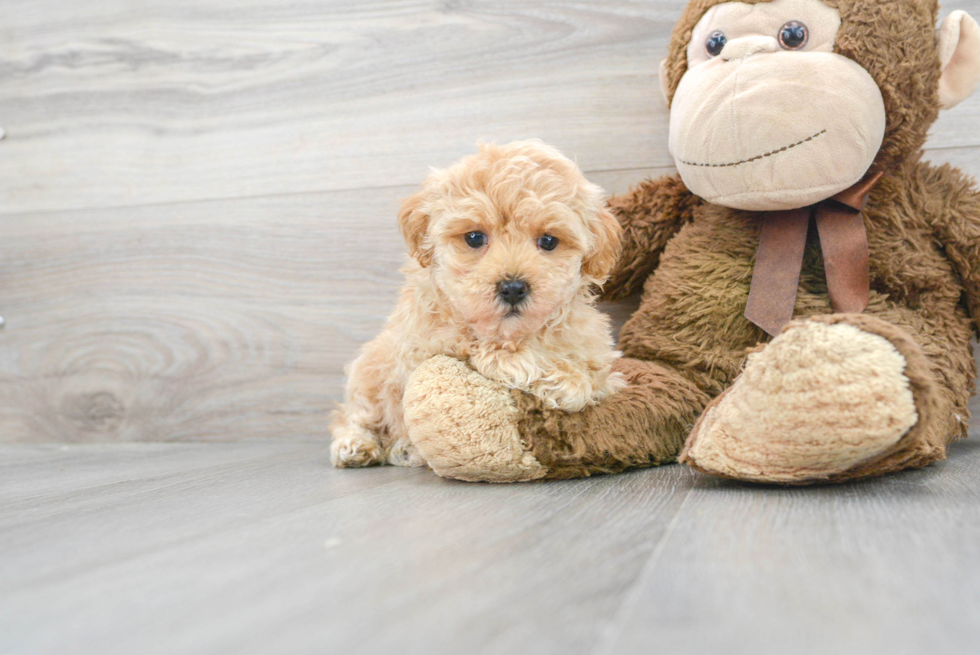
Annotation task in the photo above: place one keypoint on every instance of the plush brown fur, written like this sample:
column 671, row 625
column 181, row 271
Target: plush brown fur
column 650, row 217
column 689, row 340
column 645, row 426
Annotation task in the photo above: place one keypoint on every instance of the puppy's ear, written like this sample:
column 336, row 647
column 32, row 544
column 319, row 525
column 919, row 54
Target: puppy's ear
column 413, row 221
column 606, row 231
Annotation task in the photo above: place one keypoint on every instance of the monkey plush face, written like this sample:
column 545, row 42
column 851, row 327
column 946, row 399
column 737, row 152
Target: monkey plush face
column 778, row 104
column 768, row 116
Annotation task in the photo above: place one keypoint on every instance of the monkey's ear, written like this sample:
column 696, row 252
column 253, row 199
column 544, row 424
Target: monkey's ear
column 413, row 221
column 606, row 230
column 959, row 54
column 664, row 89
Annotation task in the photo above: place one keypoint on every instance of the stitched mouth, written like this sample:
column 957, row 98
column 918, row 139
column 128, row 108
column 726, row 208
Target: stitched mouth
column 757, row 157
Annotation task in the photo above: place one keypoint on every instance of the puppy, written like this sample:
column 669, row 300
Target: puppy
column 508, row 246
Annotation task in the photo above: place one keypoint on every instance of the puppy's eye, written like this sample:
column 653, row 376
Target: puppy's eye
column 793, row 35
column 548, row 242
column 715, row 43
column 476, row 239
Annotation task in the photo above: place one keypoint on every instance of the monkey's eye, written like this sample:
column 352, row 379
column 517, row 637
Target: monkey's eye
column 793, row 35
column 716, row 43
column 475, row 239
column 548, row 242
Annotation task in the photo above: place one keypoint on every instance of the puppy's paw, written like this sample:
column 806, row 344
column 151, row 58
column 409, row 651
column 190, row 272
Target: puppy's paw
column 613, row 383
column 561, row 396
column 573, row 391
column 355, row 447
column 404, row 453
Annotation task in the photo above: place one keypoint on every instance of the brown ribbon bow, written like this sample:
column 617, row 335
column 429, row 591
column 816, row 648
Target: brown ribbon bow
column 779, row 260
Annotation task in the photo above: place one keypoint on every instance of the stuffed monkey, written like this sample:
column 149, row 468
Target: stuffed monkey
column 810, row 287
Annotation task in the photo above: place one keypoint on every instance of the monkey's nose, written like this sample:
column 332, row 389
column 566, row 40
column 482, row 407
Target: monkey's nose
column 748, row 46
column 512, row 290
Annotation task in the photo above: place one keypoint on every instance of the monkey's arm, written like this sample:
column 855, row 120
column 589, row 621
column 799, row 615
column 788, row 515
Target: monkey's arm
column 958, row 230
column 651, row 213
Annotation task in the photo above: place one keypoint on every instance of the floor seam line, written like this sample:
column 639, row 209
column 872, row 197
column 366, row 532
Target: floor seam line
column 607, row 644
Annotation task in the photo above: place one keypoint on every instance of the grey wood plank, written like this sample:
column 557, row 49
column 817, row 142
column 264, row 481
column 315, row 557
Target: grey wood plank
column 66, row 471
column 886, row 566
column 283, row 554
column 112, row 103
column 966, row 158
column 228, row 320
column 120, row 498
column 261, row 547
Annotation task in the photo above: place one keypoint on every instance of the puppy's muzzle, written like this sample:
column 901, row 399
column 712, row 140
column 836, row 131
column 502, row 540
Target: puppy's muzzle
column 513, row 291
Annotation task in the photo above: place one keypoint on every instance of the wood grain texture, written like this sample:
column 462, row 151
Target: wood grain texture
column 261, row 547
column 113, row 103
column 883, row 567
column 225, row 320
column 197, row 201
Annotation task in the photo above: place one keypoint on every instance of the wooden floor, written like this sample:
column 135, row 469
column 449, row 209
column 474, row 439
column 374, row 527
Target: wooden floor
column 259, row 547
column 197, row 231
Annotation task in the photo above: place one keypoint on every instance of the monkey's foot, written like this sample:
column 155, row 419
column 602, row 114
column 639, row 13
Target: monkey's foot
column 466, row 426
column 831, row 398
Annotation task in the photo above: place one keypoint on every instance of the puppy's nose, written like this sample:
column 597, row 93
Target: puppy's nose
column 512, row 290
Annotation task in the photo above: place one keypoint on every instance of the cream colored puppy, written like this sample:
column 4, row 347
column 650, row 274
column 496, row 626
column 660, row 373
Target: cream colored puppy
column 507, row 245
